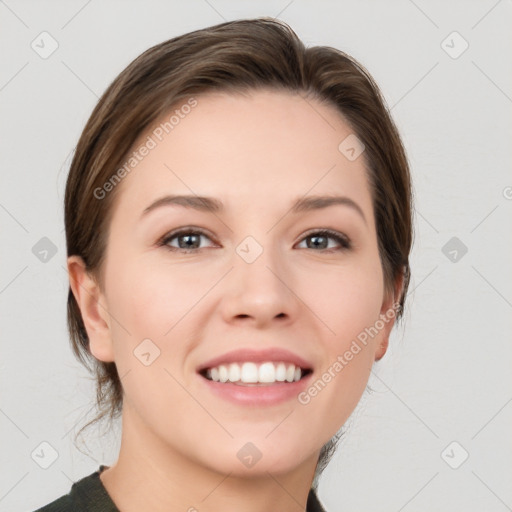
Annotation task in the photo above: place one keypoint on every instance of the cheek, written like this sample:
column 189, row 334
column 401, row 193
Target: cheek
column 347, row 299
column 350, row 305
column 349, row 302
column 151, row 298
column 155, row 301
column 152, row 333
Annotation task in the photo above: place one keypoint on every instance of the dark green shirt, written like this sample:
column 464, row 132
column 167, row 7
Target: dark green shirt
column 90, row 495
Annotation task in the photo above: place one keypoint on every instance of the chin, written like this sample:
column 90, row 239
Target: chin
column 259, row 457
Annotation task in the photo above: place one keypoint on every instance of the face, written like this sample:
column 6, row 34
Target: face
column 245, row 277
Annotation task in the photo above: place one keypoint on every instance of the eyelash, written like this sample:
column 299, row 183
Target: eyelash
column 341, row 239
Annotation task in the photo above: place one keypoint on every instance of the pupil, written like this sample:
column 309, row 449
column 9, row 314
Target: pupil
column 187, row 245
column 316, row 244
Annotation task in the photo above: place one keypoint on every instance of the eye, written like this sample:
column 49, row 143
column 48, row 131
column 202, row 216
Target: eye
column 189, row 240
column 185, row 240
column 320, row 240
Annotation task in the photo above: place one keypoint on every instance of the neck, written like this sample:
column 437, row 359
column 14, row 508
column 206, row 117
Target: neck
column 151, row 475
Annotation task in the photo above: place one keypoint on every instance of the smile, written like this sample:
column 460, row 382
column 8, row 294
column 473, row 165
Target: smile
column 250, row 373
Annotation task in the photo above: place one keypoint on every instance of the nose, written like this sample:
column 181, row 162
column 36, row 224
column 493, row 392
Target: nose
column 260, row 292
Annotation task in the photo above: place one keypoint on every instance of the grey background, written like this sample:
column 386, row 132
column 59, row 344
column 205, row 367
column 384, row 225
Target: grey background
column 446, row 377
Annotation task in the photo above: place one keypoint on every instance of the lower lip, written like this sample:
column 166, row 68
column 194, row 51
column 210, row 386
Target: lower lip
column 258, row 395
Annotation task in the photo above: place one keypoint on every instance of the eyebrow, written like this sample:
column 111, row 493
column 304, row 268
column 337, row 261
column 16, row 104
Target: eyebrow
column 210, row 204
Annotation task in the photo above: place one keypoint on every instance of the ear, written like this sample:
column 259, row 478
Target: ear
column 388, row 313
column 92, row 304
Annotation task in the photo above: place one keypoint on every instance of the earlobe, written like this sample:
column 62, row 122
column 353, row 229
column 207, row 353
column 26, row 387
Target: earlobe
column 382, row 348
column 388, row 314
column 91, row 302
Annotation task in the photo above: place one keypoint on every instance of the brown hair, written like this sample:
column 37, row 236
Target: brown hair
column 234, row 57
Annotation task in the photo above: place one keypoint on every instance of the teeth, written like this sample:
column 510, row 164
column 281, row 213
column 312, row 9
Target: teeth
column 234, row 372
column 281, row 372
column 252, row 373
column 223, row 373
column 249, row 373
column 267, row 373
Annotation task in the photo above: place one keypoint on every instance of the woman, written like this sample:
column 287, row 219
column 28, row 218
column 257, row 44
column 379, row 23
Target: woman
column 238, row 224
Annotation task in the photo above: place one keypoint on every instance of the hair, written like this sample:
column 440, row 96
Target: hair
column 233, row 57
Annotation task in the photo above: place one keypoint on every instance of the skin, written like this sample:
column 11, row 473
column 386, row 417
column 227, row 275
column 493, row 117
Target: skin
column 256, row 153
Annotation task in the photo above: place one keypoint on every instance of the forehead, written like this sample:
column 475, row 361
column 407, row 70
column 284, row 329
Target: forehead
column 251, row 148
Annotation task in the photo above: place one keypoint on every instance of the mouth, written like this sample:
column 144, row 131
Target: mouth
column 265, row 377
column 249, row 373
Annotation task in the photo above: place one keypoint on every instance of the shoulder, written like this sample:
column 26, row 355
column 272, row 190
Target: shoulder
column 62, row 504
column 86, row 495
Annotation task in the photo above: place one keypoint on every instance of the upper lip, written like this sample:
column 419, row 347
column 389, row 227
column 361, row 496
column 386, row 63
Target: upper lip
column 256, row 356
